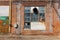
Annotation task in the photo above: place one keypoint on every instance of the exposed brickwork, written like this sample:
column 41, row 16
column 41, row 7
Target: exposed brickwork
column 56, row 23
column 48, row 14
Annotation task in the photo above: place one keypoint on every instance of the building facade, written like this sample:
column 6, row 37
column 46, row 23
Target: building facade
column 31, row 17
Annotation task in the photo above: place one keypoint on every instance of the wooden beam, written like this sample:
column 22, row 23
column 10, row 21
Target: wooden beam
column 34, row 3
column 10, row 15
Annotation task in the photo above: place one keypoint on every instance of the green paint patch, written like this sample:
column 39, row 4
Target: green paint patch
column 3, row 17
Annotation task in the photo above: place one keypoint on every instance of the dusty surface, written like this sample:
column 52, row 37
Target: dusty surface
column 28, row 37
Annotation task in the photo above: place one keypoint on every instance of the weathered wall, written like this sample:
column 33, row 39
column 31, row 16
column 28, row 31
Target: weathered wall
column 52, row 25
column 13, row 17
column 56, row 21
column 50, row 12
column 4, row 28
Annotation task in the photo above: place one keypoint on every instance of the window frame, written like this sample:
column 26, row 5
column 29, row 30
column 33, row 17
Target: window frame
column 31, row 16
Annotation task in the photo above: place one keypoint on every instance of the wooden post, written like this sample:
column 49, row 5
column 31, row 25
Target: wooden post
column 10, row 15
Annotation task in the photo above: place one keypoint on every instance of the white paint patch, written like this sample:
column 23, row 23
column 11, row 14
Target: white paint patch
column 4, row 10
column 38, row 26
column 33, row 8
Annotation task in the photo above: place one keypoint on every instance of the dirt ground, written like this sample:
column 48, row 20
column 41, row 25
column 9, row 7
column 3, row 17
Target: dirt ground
column 29, row 37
